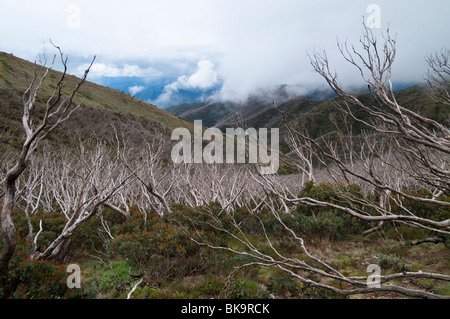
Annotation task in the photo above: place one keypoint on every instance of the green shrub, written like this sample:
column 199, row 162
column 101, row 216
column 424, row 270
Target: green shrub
column 282, row 285
column 323, row 221
column 37, row 279
column 211, row 286
column 238, row 289
column 163, row 250
column 146, row 292
column 392, row 262
column 106, row 280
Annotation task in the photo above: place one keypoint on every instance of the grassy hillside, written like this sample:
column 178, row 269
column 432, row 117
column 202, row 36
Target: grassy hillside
column 270, row 117
column 184, row 107
column 103, row 107
column 318, row 120
column 209, row 112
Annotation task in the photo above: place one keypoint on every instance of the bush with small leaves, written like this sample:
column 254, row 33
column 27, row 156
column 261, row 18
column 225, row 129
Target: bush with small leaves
column 38, row 279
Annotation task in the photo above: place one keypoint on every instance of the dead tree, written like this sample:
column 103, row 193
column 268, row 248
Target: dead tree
column 403, row 140
column 57, row 109
column 79, row 185
column 438, row 76
column 153, row 182
column 399, row 149
column 30, row 193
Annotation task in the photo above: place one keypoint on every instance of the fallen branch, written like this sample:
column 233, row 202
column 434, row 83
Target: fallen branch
column 134, row 288
column 433, row 240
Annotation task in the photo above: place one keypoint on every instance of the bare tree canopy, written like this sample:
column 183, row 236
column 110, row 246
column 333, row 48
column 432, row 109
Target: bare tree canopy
column 398, row 153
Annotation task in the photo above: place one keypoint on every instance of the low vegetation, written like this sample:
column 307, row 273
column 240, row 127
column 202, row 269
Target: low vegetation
column 161, row 253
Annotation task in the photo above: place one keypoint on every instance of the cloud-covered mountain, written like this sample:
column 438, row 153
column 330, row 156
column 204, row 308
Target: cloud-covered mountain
column 195, row 49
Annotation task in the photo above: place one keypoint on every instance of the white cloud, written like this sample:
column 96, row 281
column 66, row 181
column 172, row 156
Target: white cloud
column 205, row 77
column 136, row 89
column 253, row 43
column 107, row 70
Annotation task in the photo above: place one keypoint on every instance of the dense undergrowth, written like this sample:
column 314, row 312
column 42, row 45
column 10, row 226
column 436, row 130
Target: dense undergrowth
column 115, row 254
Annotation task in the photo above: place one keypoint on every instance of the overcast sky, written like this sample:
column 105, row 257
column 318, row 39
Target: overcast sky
column 235, row 46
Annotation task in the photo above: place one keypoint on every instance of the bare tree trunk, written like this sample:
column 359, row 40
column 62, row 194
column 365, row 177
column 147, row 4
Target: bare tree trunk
column 8, row 228
column 56, row 110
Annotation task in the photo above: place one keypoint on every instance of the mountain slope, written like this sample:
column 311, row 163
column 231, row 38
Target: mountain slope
column 315, row 114
column 416, row 98
column 209, row 112
column 223, row 114
column 103, row 108
column 318, row 117
column 266, row 115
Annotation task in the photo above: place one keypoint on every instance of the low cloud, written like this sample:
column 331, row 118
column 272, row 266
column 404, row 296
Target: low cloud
column 253, row 44
column 99, row 70
column 204, row 78
column 136, row 89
